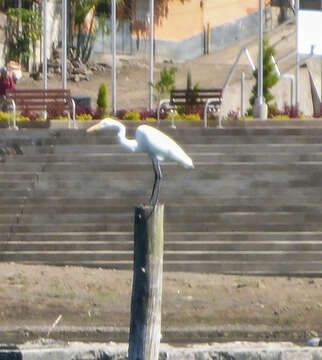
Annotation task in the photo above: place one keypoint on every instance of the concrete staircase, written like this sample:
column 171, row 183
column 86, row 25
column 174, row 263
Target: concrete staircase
column 253, row 205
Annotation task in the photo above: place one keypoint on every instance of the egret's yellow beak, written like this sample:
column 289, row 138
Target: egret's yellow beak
column 94, row 127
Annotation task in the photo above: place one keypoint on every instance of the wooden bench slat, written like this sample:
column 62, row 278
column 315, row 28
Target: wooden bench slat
column 195, row 96
column 194, row 103
column 36, row 91
column 42, row 100
column 197, row 90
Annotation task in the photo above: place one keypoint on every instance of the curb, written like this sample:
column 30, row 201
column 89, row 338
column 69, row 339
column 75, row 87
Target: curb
column 47, row 349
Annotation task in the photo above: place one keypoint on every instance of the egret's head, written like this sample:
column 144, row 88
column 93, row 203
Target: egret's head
column 106, row 123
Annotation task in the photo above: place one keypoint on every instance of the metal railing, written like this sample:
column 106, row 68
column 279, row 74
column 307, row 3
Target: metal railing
column 13, row 104
column 171, row 109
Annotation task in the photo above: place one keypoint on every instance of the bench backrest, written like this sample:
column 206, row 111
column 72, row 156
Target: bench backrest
column 195, row 97
column 40, row 99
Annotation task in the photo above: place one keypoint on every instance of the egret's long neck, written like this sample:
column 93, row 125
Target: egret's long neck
column 123, row 140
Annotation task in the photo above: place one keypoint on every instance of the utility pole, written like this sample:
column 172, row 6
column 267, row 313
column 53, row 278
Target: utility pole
column 44, row 46
column 113, row 57
column 260, row 108
column 64, row 44
column 297, row 60
column 151, row 53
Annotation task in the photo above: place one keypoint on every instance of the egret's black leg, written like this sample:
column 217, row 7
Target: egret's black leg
column 157, row 182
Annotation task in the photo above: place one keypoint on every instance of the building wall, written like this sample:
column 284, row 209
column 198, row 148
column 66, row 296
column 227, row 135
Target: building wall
column 194, row 27
column 185, row 30
column 193, row 16
column 183, row 20
column 3, row 23
column 53, row 24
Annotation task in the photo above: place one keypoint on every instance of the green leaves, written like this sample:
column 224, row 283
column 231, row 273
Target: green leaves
column 102, row 98
column 19, row 38
column 270, row 78
column 166, row 83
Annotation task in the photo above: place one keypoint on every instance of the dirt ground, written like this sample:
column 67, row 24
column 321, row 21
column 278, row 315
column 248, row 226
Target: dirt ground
column 132, row 90
column 35, row 296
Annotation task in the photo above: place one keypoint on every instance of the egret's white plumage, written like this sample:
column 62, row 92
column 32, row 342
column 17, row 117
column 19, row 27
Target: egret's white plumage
column 155, row 143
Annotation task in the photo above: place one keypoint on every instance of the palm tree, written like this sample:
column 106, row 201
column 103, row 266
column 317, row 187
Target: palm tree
column 83, row 14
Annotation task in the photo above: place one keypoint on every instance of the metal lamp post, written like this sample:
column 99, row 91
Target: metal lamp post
column 64, row 44
column 151, row 52
column 44, row 45
column 260, row 108
column 114, row 57
column 297, row 69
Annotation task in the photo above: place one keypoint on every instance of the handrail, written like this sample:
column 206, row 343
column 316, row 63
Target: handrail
column 205, row 113
column 233, row 68
column 74, row 115
column 13, row 114
column 244, row 49
column 161, row 102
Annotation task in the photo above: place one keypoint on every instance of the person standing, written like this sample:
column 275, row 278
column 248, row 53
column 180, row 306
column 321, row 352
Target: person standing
column 6, row 83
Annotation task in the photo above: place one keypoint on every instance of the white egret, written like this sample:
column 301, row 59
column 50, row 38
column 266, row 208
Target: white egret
column 156, row 144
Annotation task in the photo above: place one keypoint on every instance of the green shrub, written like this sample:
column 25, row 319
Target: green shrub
column 23, row 119
column 188, row 117
column 84, row 117
column 102, row 98
column 192, row 117
column 4, row 116
column 61, row 117
column 166, row 83
column 132, row 115
column 269, row 76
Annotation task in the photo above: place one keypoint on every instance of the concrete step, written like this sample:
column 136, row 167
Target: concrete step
column 183, row 136
column 251, row 226
column 201, row 256
column 132, row 166
column 131, row 127
column 197, row 218
column 217, row 237
column 192, row 149
column 79, row 136
column 197, row 209
column 195, row 138
column 169, row 246
column 209, row 157
column 297, row 268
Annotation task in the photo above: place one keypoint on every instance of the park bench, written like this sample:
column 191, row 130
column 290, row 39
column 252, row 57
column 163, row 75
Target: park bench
column 50, row 101
column 209, row 99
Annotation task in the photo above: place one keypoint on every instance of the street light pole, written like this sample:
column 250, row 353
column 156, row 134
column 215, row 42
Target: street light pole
column 260, row 57
column 64, row 44
column 260, row 108
column 297, row 60
column 44, row 46
column 151, row 52
column 114, row 57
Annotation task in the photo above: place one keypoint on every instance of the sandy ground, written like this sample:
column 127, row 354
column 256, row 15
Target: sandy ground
column 35, row 296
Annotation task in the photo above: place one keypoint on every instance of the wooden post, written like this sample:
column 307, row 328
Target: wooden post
column 145, row 326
